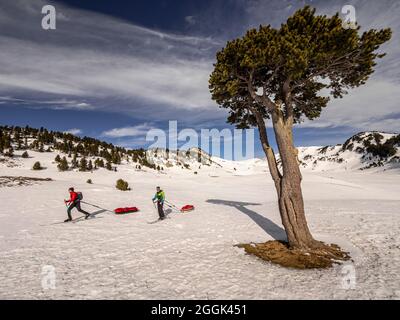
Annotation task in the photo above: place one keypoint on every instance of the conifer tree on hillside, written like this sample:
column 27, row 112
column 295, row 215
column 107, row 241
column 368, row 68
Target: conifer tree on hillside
column 109, row 166
column 9, row 152
column 74, row 162
column 83, row 164
column 90, row 165
column 63, row 165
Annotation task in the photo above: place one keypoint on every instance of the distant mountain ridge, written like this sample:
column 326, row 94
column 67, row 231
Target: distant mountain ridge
column 363, row 151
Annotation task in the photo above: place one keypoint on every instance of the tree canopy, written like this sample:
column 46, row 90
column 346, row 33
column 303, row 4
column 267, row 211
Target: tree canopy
column 291, row 66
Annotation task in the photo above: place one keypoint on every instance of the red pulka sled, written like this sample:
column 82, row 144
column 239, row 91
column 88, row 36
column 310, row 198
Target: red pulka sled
column 126, row 210
column 187, row 208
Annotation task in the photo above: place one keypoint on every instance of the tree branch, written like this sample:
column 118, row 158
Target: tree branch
column 269, row 152
column 326, row 69
column 264, row 99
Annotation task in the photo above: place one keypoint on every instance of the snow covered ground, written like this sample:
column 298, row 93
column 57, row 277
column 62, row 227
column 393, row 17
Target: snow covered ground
column 192, row 255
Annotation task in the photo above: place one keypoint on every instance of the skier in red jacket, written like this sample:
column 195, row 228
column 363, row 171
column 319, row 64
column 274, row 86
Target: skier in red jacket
column 74, row 202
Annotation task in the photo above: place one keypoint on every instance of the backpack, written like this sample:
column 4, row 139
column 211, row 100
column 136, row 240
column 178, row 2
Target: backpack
column 80, row 196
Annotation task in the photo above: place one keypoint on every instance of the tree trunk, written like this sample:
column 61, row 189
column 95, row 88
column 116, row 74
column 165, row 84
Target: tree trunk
column 290, row 195
column 269, row 152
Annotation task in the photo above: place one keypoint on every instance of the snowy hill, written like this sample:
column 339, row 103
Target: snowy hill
column 193, row 158
column 365, row 150
column 196, row 159
column 372, row 151
column 71, row 153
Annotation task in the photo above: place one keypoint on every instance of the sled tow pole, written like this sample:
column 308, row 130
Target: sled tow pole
column 169, row 204
column 93, row 205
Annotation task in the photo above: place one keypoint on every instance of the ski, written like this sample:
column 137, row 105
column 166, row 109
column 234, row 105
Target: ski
column 153, row 222
column 158, row 220
column 81, row 218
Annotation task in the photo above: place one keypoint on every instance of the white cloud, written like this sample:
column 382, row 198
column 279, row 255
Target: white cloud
column 74, row 131
column 57, row 104
column 96, row 62
column 134, row 131
column 374, row 106
column 87, row 58
column 191, row 20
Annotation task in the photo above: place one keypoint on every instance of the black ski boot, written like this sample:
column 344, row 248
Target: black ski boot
column 87, row 216
column 68, row 220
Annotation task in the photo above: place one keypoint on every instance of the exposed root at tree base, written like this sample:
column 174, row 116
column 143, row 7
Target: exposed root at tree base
column 279, row 252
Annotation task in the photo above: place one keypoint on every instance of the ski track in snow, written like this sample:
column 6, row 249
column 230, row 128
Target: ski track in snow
column 192, row 255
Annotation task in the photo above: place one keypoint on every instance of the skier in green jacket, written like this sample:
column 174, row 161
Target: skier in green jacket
column 159, row 197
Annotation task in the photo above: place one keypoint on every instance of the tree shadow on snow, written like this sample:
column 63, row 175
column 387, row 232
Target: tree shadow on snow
column 266, row 224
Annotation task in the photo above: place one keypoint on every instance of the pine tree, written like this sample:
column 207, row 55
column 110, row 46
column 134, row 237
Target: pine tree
column 115, row 158
column 90, row 165
column 83, row 164
column 1, row 143
column 25, row 155
column 57, row 158
column 291, row 65
column 63, row 165
column 37, row 166
column 10, row 152
column 122, row 185
column 99, row 163
column 74, row 162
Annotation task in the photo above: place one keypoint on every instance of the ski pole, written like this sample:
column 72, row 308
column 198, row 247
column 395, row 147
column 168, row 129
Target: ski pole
column 154, row 205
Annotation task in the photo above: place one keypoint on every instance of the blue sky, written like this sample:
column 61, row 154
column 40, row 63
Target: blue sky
column 115, row 69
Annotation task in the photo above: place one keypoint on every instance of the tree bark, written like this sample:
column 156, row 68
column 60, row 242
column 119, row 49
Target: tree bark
column 269, row 152
column 288, row 184
column 291, row 204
